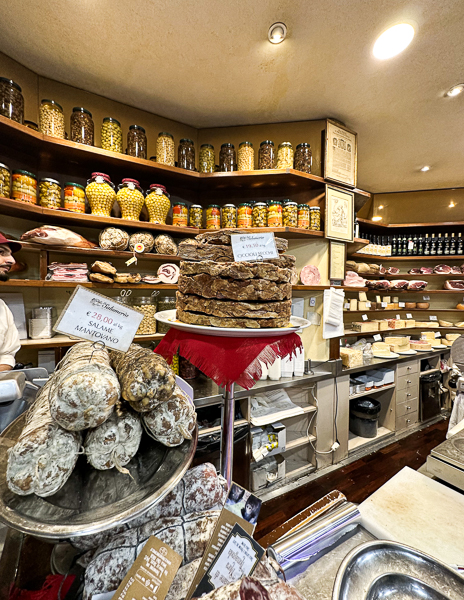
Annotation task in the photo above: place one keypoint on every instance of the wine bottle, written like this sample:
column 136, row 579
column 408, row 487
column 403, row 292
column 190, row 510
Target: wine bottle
column 394, row 248
column 433, row 246
column 446, row 245
column 415, row 245
column 420, row 245
column 452, row 245
column 427, row 245
column 459, row 245
column 439, row 245
column 410, row 245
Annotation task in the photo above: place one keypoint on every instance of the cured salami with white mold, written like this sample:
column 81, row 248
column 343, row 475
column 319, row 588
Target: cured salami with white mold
column 250, row 588
column 173, row 421
column 454, row 284
column 310, row 275
column 169, row 273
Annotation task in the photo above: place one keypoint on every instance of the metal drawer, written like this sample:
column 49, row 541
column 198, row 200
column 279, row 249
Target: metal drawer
column 407, row 394
column 410, row 382
column 406, row 421
column 407, row 368
column 407, row 408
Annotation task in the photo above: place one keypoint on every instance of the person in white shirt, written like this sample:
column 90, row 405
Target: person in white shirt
column 9, row 337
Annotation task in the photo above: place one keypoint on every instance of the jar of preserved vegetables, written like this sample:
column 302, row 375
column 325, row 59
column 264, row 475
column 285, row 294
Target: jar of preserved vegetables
column 259, row 213
column 213, row 217
column 304, row 220
column 51, row 119
column 244, row 215
column 180, row 214
column 196, row 215
column 266, row 155
column 175, row 358
column 137, row 142
column 285, row 156
column 227, row 160
column 165, row 303
column 74, row 197
column 187, row 370
column 315, row 214
column 111, row 135
column 165, row 149
column 130, row 199
column 24, row 187
column 303, row 158
column 82, row 128
column 186, row 154
column 206, row 161
column 290, row 213
column 158, row 203
column 31, row 125
column 229, row 216
column 246, row 157
column 5, row 181
column 147, row 306
column 11, row 100
column 100, row 194
column 274, row 214
column 50, row 193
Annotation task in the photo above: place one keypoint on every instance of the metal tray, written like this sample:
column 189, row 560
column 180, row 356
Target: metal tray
column 92, row 501
column 384, row 570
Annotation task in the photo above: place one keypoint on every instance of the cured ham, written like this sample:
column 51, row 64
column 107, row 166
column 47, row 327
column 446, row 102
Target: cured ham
column 417, row 285
column 380, row 284
column 169, row 273
column 415, row 271
column 456, row 270
column 426, row 270
column 399, row 284
column 393, row 271
column 354, row 280
column 56, row 236
column 310, row 275
column 77, row 272
column 442, row 269
column 454, row 284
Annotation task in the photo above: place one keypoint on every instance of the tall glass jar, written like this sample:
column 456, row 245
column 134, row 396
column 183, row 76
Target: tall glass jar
column 285, row 156
column 50, row 193
column 196, row 215
column 165, row 149
column 31, row 125
column 11, row 100
column 274, row 214
column 227, row 160
column 165, row 303
column 130, row 199
column 246, row 157
column 51, row 119
column 315, row 214
column 74, row 197
column 158, row 203
column 180, row 214
column 244, row 215
column 259, row 214
column 186, row 154
column 24, row 187
column 206, row 163
column 266, row 155
column 111, row 135
column 304, row 220
column 290, row 213
column 229, row 216
column 147, row 306
column 213, row 217
column 82, row 128
column 303, row 158
column 5, row 181
column 137, row 142
column 100, row 194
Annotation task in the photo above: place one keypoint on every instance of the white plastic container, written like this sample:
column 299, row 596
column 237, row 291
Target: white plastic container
column 274, row 371
column 298, row 363
column 264, row 371
column 287, row 366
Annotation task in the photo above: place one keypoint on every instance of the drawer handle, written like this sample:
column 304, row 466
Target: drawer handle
column 408, row 381
column 408, row 408
column 408, row 394
column 409, row 368
column 408, row 420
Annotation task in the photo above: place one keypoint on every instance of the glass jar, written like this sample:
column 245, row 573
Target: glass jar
column 165, row 149
column 130, row 199
column 303, row 158
column 186, row 155
column 165, row 303
column 158, row 203
column 100, row 194
column 196, row 215
column 259, row 214
column 50, row 193
column 304, row 220
column 229, row 216
column 246, row 157
column 285, row 156
column 213, row 217
column 11, row 100
column 244, row 215
column 111, row 135
column 180, row 214
column 136, row 142
column 187, row 370
column 24, row 187
column 5, row 181
column 227, row 160
column 175, row 359
column 147, row 306
column 315, row 215
column 274, row 214
column 82, row 128
column 266, row 155
column 74, row 197
column 206, row 163
column 290, row 213
column 51, row 119
column 31, row 125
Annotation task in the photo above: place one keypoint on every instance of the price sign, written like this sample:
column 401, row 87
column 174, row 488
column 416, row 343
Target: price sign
column 346, row 306
column 364, row 317
column 437, row 334
column 433, row 318
column 408, row 316
column 377, row 337
column 97, row 318
column 383, row 304
column 426, row 297
column 401, row 304
column 398, row 317
column 368, row 304
column 254, row 246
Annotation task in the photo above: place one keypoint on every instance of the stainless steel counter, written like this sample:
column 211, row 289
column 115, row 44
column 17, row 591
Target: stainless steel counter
column 382, row 362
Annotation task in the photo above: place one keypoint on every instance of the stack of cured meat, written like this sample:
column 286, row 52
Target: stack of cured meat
column 77, row 272
column 216, row 291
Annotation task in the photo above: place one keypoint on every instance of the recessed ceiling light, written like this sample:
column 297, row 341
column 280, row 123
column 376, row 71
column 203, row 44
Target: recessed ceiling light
column 425, row 168
column 376, row 218
column 393, row 41
column 380, row 207
column 452, row 204
column 277, row 33
column 455, row 90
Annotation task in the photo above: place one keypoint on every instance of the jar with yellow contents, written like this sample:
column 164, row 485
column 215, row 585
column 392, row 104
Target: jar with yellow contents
column 244, row 215
column 180, row 214
column 49, row 193
column 196, row 215
column 285, row 156
column 24, row 187
column 246, row 157
column 130, row 199
column 165, row 149
column 100, row 194
column 304, row 220
column 274, row 214
column 5, row 181
column 158, row 203
column 229, row 216
column 259, row 214
column 74, row 197
column 147, row 306
column 290, row 213
column 206, row 161
column 315, row 214
column 213, row 217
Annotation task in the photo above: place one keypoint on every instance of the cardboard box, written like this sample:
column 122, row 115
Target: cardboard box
column 267, row 471
column 273, row 437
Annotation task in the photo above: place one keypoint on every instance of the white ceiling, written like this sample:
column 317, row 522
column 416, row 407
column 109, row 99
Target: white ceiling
column 208, row 63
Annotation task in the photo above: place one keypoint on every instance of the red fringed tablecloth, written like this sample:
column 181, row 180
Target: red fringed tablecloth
column 228, row 360
column 55, row 586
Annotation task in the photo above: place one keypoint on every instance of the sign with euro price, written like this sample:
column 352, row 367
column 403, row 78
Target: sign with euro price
column 94, row 317
column 254, row 246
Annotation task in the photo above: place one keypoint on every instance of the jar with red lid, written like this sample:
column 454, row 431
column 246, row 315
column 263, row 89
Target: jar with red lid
column 180, row 214
column 213, row 217
column 244, row 215
column 100, row 194
column 158, row 203
column 130, row 199
column 274, row 214
column 137, row 142
column 74, row 197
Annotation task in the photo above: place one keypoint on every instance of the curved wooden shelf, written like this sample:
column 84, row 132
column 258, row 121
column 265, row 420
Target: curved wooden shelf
column 38, row 283
column 378, row 225
column 63, row 341
column 417, row 276
column 398, row 331
column 434, row 258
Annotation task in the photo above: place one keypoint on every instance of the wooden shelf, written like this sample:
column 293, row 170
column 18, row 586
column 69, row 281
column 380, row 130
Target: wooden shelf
column 301, row 441
column 63, row 341
column 289, row 233
column 391, row 292
column 408, row 310
column 373, row 391
column 418, row 276
column 356, row 441
column 89, row 284
column 434, row 258
column 379, row 225
column 355, row 245
column 315, row 288
column 349, row 332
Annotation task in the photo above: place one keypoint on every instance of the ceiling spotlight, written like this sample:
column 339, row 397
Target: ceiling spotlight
column 393, row 41
column 277, row 33
column 452, row 204
column 376, row 218
column 455, row 90
column 380, row 207
column 425, row 168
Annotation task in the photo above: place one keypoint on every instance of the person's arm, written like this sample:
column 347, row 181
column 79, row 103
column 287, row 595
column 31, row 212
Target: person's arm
column 11, row 343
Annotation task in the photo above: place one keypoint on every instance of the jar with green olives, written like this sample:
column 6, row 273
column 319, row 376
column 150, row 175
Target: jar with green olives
column 137, row 142
column 130, row 199
column 5, row 181
column 165, row 149
column 266, row 155
column 213, row 217
column 100, row 194
column 111, row 135
column 51, row 119
column 290, row 213
column 206, row 162
column 259, row 215
column 227, row 159
column 285, row 156
column 49, row 193
column 196, row 215
column 303, row 158
column 158, row 203
column 246, row 157
column 82, row 128
column 229, row 216
column 315, row 214
column 304, row 219
column 165, row 303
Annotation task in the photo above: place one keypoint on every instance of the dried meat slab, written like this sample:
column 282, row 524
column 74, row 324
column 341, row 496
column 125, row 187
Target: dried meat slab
column 231, row 308
column 227, row 289
column 209, row 321
column 237, row 270
column 194, row 250
column 222, row 237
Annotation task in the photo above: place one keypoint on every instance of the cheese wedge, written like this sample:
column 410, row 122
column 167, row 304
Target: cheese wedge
column 353, row 304
column 397, row 343
column 363, row 296
column 428, row 335
column 351, row 357
column 381, row 324
column 420, row 345
column 452, row 336
column 396, row 324
column 410, row 323
column 364, row 326
column 381, row 348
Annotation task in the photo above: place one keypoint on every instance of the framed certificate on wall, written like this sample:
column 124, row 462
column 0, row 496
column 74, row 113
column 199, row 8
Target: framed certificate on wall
column 337, row 260
column 339, row 213
column 341, row 154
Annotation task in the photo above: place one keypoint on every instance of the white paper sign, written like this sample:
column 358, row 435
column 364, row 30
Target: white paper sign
column 377, row 337
column 364, row 317
column 383, row 304
column 368, row 304
column 398, row 317
column 408, row 316
column 346, row 306
column 437, row 334
column 426, row 297
column 254, row 246
column 97, row 318
column 401, row 304
column 433, row 318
